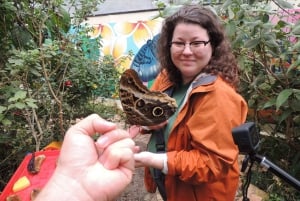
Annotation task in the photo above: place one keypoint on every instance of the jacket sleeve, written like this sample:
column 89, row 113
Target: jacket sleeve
column 211, row 152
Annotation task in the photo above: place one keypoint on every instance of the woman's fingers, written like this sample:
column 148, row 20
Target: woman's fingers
column 118, row 154
column 134, row 131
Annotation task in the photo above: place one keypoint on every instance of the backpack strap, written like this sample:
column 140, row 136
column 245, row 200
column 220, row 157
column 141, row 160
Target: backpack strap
column 158, row 176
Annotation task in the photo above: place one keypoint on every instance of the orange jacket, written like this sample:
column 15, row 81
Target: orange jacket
column 202, row 156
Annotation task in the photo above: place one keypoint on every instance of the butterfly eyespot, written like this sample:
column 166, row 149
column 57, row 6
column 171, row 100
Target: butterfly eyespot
column 140, row 103
column 157, row 111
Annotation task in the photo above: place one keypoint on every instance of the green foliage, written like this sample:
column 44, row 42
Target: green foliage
column 268, row 60
column 48, row 76
column 109, row 80
column 267, row 50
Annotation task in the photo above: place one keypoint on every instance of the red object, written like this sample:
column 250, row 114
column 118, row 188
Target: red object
column 37, row 181
column 68, row 83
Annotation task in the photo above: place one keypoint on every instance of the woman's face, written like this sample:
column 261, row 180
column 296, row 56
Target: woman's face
column 190, row 50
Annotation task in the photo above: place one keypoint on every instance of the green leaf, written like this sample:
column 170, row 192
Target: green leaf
column 251, row 102
column 297, row 93
column 171, row 10
column 265, row 18
column 295, row 64
column 296, row 30
column 271, row 43
column 31, row 103
column 252, row 43
column 16, row 62
column 283, row 97
column 280, row 24
column 226, row 4
column 19, row 95
column 284, row 4
column 2, row 109
column 20, row 105
column 230, row 13
column 296, row 46
column 285, row 114
column 295, row 105
column 265, row 86
column 6, row 122
column 31, row 100
column 296, row 119
column 35, row 72
column 270, row 103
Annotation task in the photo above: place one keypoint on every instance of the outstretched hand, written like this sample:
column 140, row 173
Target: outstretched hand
column 92, row 170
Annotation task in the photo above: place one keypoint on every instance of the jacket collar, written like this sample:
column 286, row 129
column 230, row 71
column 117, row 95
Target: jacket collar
column 203, row 79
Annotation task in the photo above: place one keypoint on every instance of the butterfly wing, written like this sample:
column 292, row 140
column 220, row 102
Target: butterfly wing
column 142, row 106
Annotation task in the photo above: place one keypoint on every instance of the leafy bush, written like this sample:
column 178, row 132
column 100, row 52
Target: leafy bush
column 269, row 61
column 47, row 79
column 267, row 46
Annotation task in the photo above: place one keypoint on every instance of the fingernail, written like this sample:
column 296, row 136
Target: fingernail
column 102, row 140
column 109, row 123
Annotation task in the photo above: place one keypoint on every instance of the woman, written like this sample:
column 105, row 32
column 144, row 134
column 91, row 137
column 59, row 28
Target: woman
column 199, row 160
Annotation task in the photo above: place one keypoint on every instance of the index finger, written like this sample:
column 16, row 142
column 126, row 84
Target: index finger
column 92, row 124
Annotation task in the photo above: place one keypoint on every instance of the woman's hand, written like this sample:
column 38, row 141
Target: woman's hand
column 136, row 129
column 148, row 159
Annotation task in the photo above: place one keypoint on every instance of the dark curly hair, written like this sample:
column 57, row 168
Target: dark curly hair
column 222, row 62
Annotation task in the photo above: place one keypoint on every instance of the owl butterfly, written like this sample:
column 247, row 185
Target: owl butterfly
column 142, row 106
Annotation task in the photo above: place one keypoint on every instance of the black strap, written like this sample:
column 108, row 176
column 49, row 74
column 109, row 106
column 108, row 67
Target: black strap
column 160, row 140
column 158, row 176
column 159, row 179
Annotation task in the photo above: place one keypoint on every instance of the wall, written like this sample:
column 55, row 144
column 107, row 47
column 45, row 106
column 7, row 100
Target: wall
column 126, row 34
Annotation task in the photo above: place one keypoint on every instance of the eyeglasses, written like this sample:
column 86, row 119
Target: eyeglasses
column 194, row 45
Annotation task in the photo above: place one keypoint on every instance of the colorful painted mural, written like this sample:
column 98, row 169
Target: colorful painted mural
column 125, row 38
